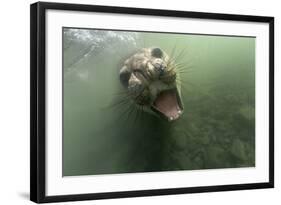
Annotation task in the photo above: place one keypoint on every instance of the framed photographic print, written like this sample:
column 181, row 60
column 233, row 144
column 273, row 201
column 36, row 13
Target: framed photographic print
column 129, row 102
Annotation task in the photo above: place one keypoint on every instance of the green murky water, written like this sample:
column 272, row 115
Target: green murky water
column 103, row 136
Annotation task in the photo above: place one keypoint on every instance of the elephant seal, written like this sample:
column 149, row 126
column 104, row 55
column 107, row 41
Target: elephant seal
column 151, row 81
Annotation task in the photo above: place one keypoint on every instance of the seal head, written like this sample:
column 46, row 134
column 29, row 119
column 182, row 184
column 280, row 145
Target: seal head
column 150, row 78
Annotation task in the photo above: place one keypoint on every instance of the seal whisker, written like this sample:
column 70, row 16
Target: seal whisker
column 172, row 55
column 183, row 64
column 184, row 71
column 125, row 93
column 119, row 102
column 131, row 110
column 135, row 116
column 184, row 68
column 180, row 55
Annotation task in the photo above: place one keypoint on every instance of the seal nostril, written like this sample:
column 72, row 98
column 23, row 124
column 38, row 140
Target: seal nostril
column 162, row 69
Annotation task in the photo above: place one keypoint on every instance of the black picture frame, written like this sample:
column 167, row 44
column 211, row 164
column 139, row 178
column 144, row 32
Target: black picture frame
column 38, row 101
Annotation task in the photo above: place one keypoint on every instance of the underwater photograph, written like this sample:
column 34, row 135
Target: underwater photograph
column 145, row 101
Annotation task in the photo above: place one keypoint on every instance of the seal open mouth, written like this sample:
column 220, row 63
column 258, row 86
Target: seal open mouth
column 168, row 104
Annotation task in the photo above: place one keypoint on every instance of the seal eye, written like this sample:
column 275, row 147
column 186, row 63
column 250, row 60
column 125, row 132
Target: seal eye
column 157, row 53
column 124, row 76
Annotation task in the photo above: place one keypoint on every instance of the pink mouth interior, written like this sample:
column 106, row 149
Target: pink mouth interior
column 167, row 104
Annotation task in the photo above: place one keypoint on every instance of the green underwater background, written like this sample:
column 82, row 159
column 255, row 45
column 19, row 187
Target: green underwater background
column 102, row 135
